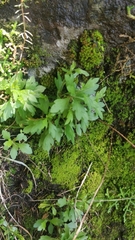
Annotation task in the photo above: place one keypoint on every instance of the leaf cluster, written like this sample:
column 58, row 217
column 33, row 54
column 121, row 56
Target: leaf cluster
column 63, row 216
column 69, row 115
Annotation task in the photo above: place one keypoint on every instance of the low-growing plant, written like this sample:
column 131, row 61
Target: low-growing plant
column 61, row 219
column 9, row 231
column 76, row 104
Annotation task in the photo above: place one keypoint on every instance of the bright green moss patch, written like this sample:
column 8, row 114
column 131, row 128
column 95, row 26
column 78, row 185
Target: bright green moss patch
column 66, row 169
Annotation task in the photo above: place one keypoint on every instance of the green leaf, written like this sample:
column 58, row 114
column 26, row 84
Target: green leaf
column 54, row 211
column 44, row 205
column 36, row 125
column 69, row 132
column 60, row 105
column 45, row 237
column 70, row 84
column 13, row 151
column 62, row 202
column 79, row 109
column 72, row 225
column 50, row 228
column 31, row 83
column 8, row 144
column 47, row 142
column 43, row 104
column 55, row 132
column 21, row 136
column 26, row 106
column 58, row 82
column 84, row 123
column 40, row 224
column 101, row 93
column 40, row 89
column 7, row 110
column 72, row 89
column 80, row 71
column 5, row 134
column 90, row 87
column 52, row 130
column 72, row 67
column 25, row 148
column 69, row 117
column 78, row 129
column 56, row 221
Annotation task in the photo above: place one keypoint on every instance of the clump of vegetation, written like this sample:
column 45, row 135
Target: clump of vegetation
column 91, row 53
column 88, row 52
column 96, row 172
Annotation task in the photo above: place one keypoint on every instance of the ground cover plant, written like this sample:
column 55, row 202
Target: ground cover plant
column 67, row 161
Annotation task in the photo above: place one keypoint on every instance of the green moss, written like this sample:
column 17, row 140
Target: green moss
column 66, row 169
column 29, row 187
column 40, row 160
column 92, row 49
column 88, row 52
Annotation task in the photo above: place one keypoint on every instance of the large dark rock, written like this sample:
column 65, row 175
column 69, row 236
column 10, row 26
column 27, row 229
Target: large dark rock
column 58, row 21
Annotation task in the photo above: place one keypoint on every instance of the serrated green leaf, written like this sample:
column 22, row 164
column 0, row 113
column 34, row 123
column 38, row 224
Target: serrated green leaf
column 84, row 123
column 13, row 151
column 69, row 132
column 30, row 108
column 52, row 130
column 60, row 105
column 78, row 129
column 58, row 82
column 90, row 87
column 78, row 109
column 55, row 132
column 8, row 110
column 5, row 134
column 31, row 97
column 70, row 84
column 47, row 142
column 43, row 104
column 100, row 94
column 25, row 148
column 31, row 83
column 71, row 89
column 69, row 117
column 36, row 126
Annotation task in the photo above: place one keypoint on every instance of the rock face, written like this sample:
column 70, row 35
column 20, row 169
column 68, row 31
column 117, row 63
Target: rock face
column 58, row 21
column 108, row 16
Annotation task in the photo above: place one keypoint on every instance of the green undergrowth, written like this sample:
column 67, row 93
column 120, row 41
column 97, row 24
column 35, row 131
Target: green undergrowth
column 60, row 174
column 113, row 212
